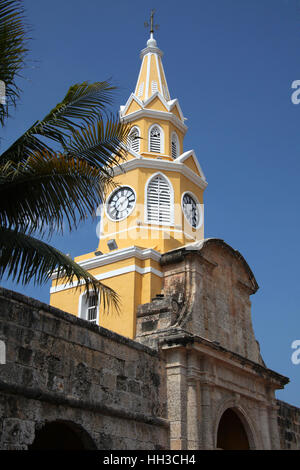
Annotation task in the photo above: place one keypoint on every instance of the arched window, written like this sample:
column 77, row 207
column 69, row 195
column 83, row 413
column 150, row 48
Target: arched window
column 134, row 140
column 155, row 139
column 174, row 145
column 88, row 307
column 159, row 204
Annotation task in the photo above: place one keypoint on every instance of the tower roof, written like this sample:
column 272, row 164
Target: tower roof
column 152, row 77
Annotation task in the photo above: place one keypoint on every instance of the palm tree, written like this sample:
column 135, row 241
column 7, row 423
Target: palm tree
column 56, row 173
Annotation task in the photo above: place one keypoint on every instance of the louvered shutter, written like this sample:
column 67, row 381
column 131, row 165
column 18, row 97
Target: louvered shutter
column 155, row 140
column 154, row 87
column 92, row 309
column 159, row 201
column 141, row 90
column 134, row 141
column 174, row 145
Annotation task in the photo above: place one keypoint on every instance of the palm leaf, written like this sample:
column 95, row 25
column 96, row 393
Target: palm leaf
column 26, row 259
column 100, row 144
column 83, row 105
column 13, row 51
column 49, row 190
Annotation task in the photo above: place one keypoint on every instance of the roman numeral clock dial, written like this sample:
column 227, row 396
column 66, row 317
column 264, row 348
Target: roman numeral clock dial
column 121, row 203
column 191, row 210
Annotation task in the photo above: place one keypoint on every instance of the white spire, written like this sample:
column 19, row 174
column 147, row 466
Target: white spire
column 152, row 77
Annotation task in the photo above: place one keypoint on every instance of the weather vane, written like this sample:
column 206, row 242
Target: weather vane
column 152, row 26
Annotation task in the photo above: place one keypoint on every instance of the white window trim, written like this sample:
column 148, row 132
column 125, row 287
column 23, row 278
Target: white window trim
column 171, row 201
column 199, row 205
column 111, row 194
column 82, row 314
column 135, row 128
column 162, row 138
column 175, row 137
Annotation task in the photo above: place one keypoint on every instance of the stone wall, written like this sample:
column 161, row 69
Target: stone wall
column 289, row 425
column 61, row 368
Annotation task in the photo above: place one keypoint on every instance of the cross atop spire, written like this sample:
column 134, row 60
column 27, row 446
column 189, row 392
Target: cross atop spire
column 152, row 26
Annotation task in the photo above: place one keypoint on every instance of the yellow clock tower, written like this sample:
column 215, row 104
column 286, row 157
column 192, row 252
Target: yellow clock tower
column 156, row 206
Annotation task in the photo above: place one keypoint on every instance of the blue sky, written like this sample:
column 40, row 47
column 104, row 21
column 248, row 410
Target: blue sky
column 231, row 64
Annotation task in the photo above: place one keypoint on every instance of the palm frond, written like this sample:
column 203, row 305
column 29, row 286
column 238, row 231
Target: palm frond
column 83, row 105
column 25, row 259
column 100, row 144
column 13, row 51
column 49, row 190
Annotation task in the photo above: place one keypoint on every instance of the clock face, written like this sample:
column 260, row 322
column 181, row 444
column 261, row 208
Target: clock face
column 121, row 203
column 191, row 210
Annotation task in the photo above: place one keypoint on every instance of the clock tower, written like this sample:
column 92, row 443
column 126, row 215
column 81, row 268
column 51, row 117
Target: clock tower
column 156, row 206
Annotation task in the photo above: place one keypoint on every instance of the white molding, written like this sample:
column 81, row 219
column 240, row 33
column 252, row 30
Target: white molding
column 190, row 153
column 152, row 113
column 148, row 75
column 132, row 97
column 118, row 255
column 157, row 164
column 152, row 50
column 159, row 77
column 146, row 226
column 138, row 80
column 171, row 200
column 109, row 274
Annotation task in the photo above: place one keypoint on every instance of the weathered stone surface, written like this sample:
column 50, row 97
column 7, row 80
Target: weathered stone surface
column 60, row 368
column 289, row 425
column 114, row 393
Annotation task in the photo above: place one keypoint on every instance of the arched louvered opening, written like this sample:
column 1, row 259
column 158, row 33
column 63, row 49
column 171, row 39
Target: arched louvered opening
column 159, row 201
column 174, row 145
column 134, row 140
column 141, row 90
column 155, row 139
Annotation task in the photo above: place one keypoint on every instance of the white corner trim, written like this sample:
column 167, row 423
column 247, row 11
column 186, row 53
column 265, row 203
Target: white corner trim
column 132, row 97
column 158, row 72
column 191, row 153
column 109, row 274
column 173, row 103
column 148, row 74
column 138, row 80
column 165, row 165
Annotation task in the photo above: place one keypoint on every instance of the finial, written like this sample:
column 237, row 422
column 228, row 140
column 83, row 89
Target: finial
column 151, row 41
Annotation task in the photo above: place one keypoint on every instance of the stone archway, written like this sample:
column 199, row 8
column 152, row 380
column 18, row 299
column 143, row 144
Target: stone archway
column 231, row 433
column 61, row 435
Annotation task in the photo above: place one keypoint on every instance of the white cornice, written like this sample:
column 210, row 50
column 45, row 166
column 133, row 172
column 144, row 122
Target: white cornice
column 151, row 50
column 157, row 164
column 118, row 255
column 109, row 274
column 191, row 153
column 152, row 113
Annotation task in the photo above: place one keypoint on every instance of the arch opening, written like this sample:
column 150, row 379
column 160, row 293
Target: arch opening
column 231, row 432
column 58, row 435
